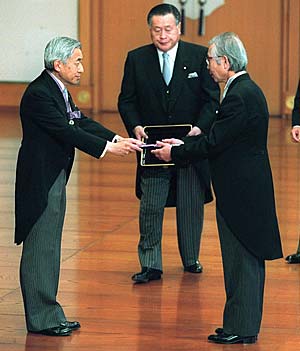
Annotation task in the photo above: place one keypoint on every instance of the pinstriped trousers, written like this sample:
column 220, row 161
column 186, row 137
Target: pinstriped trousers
column 155, row 185
column 244, row 276
column 40, row 263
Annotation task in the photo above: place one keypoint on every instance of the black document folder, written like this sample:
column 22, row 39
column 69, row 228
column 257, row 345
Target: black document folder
column 158, row 133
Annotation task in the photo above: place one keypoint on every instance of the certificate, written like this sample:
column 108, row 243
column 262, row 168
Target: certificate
column 158, row 133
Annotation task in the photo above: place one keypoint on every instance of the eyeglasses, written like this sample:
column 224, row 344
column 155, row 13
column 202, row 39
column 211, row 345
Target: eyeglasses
column 209, row 58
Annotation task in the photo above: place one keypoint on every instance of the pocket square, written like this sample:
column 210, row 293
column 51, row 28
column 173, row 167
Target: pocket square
column 193, row 75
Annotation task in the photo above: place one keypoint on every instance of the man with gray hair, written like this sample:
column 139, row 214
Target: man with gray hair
column 236, row 148
column 52, row 128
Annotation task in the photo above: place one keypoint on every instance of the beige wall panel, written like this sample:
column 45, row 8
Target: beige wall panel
column 123, row 28
column 257, row 22
column 85, row 28
column 290, row 54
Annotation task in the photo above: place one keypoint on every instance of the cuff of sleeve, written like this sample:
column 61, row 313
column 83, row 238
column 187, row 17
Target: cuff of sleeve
column 116, row 138
column 104, row 151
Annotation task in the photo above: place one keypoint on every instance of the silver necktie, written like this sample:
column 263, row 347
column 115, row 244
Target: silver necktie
column 66, row 97
column 166, row 68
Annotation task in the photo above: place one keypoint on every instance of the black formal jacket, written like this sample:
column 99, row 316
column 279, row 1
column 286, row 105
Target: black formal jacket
column 192, row 96
column 48, row 147
column 296, row 109
column 240, row 168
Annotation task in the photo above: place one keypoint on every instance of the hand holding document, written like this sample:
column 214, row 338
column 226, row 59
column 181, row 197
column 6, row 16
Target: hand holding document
column 157, row 137
column 164, row 151
column 124, row 146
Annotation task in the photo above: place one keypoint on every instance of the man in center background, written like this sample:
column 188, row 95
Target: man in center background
column 156, row 92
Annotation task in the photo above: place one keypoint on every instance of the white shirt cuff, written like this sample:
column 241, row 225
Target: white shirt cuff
column 104, row 151
column 115, row 139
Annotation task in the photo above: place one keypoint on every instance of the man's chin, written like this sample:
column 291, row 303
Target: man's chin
column 163, row 47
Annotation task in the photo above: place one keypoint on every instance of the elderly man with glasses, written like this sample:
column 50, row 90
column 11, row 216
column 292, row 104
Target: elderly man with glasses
column 236, row 148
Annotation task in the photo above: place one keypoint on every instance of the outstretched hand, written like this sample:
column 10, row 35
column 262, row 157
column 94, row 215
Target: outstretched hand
column 124, row 146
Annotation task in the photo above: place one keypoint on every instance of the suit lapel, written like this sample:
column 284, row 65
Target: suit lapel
column 155, row 77
column 56, row 92
column 73, row 106
column 181, row 67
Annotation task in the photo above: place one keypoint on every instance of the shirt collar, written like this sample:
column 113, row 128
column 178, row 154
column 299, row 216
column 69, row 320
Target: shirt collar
column 172, row 53
column 60, row 84
column 231, row 79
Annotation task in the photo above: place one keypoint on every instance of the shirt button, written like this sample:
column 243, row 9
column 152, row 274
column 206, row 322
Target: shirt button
column 71, row 122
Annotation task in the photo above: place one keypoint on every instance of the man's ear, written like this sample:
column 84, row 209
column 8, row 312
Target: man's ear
column 57, row 65
column 179, row 28
column 226, row 63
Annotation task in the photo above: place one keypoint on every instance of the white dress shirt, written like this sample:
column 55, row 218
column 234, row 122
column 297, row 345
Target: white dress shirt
column 172, row 56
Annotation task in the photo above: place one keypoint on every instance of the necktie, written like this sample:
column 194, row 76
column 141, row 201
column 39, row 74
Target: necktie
column 66, row 97
column 166, row 68
column 76, row 114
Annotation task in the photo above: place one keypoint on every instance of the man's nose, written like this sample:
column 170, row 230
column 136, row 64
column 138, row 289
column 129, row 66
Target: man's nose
column 80, row 68
column 163, row 33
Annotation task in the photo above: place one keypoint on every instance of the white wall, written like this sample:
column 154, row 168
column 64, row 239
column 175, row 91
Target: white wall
column 26, row 26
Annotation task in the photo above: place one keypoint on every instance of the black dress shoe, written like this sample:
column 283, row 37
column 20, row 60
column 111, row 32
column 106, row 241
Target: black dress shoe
column 294, row 258
column 146, row 275
column 55, row 331
column 71, row 325
column 194, row 268
column 219, row 331
column 232, row 339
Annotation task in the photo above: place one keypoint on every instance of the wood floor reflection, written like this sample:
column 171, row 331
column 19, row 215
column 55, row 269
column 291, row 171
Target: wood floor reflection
column 99, row 257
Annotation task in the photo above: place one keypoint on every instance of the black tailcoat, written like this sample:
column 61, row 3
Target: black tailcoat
column 48, row 147
column 296, row 108
column 240, row 168
column 192, row 97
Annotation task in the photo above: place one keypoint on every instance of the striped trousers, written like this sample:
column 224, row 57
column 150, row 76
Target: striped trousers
column 40, row 263
column 155, row 185
column 244, row 276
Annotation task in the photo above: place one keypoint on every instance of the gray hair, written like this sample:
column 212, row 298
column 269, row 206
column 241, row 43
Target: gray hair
column 230, row 45
column 59, row 48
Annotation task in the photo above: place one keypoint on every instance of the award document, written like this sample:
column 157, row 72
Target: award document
column 158, row 133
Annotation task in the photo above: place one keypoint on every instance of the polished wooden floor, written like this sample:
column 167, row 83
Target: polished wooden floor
column 99, row 257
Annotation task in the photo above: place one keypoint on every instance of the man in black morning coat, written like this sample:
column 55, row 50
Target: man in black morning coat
column 242, row 181
column 147, row 99
column 52, row 128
